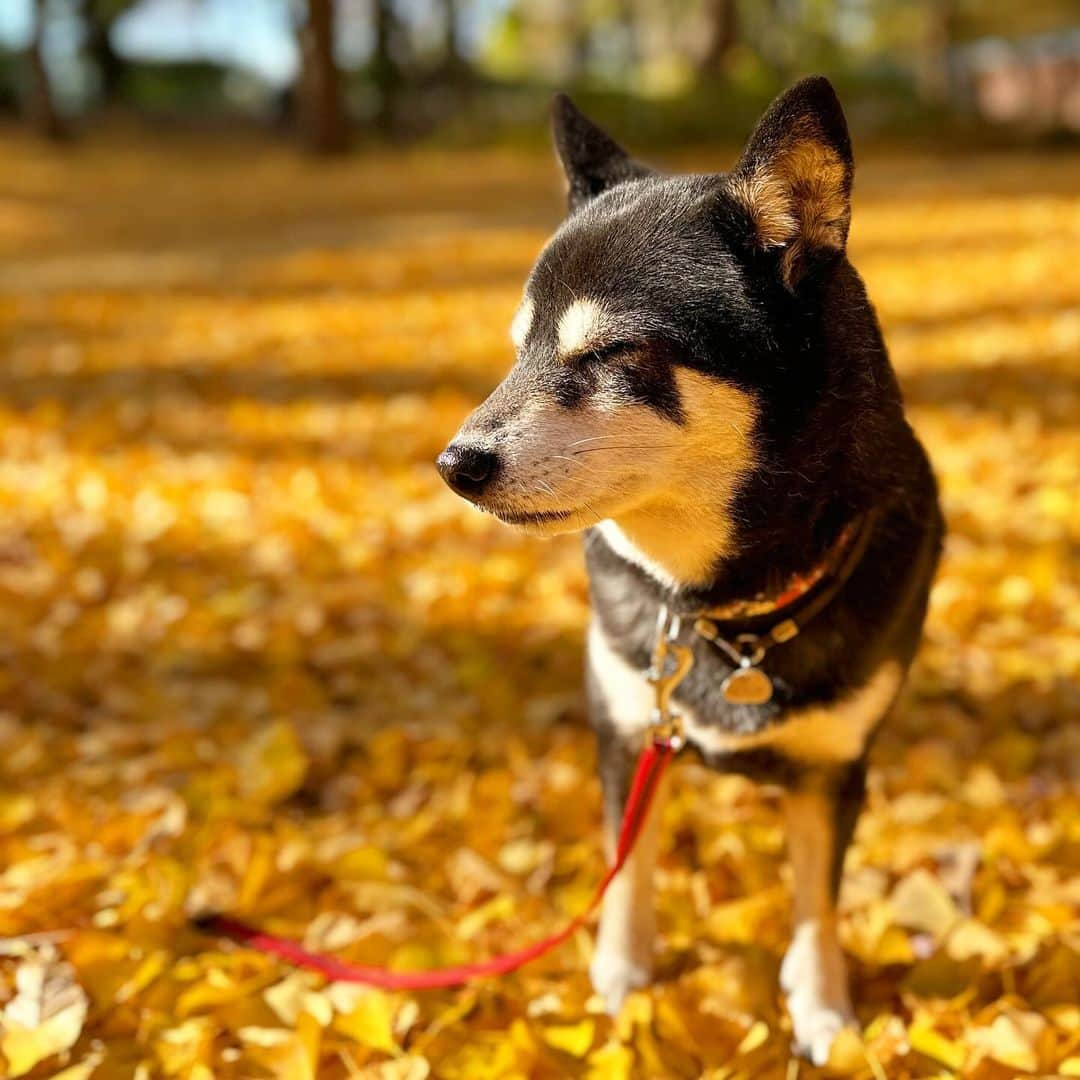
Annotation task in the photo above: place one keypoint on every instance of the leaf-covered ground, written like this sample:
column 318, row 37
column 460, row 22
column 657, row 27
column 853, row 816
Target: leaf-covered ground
column 256, row 657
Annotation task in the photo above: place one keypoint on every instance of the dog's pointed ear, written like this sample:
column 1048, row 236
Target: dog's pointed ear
column 592, row 160
column 794, row 179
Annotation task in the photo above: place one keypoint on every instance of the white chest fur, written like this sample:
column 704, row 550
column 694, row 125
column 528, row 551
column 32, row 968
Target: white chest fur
column 825, row 734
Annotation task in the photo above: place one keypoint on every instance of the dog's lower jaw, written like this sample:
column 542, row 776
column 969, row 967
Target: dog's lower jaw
column 574, row 522
column 814, row 977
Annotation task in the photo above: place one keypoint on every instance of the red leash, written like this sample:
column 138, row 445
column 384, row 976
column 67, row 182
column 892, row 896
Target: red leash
column 652, row 762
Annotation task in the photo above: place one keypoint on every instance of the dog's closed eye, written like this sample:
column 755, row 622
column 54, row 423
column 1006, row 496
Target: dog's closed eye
column 597, row 354
column 636, row 352
column 610, row 351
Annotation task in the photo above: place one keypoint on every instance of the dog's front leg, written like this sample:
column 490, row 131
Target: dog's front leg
column 619, row 704
column 622, row 960
column 820, row 816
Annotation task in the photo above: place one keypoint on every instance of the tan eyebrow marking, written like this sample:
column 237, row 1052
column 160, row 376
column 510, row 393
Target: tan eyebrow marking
column 522, row 322
column 580, row 325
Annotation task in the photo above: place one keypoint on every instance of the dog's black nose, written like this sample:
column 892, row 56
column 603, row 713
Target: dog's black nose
column 467, row 469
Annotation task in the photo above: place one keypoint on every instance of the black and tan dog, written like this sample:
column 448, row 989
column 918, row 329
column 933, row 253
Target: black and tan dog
column 701, row 383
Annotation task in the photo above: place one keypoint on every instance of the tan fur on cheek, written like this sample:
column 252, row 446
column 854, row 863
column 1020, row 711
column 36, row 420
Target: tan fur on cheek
column 682, row 525
column 719, row 419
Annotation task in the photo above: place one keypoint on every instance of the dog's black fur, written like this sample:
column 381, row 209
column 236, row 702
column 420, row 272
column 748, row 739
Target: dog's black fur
column 742, row 278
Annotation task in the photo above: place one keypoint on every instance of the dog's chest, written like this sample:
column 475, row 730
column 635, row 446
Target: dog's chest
column 830, row 689
column 830, row 733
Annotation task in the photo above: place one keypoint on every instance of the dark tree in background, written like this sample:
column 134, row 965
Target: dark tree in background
column 415, row 66
column 937, row 39
column 40, row 105
column 321, row 105
column 99, row 17
column 722, row 25
column 455, row 67
column 577, row 31
column 388, row 63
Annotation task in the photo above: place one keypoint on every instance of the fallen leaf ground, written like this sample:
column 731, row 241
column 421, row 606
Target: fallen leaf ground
column 256, row 657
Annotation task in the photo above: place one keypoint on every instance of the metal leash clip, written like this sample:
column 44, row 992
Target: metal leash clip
column 671, row 662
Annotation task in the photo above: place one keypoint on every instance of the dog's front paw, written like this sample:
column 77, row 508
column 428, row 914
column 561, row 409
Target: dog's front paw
column 816, row 1025
column 814, row 977
column 614, row 976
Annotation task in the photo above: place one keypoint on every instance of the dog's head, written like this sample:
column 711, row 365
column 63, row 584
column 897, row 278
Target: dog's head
column 655, row 336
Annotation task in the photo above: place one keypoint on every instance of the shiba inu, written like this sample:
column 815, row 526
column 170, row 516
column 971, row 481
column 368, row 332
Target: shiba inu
column 702, row 386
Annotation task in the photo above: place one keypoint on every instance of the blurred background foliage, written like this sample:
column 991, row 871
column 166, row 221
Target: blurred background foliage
column 333, row 72
column 256, row 657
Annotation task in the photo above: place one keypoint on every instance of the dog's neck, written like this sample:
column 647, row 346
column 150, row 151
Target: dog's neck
column 693, row 550
column 679, row 547
column 694, row 566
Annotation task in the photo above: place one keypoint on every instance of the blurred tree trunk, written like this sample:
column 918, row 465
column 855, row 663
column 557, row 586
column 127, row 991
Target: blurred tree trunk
column 579, row 43
column 455, row 68
column 774, row 30
column 322, row 108
column 41, row 108
column 722, row 28
column 109, row 64
column 386, row 63
column 629, row 18
column 934, row 79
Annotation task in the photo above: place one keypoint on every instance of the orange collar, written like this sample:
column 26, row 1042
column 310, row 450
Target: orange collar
column 798, row 585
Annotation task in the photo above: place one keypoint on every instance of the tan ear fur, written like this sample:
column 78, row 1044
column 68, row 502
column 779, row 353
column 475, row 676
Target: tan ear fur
column 795, row 184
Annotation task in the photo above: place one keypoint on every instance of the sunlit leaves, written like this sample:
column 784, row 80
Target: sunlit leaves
column 257, row 659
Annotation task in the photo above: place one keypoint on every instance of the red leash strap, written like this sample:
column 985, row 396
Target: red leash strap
column 651, row 764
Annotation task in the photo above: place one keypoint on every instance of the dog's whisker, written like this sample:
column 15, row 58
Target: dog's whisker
column 628, row 446
column 591, row 438
column 573, row 461
column 545, row 487
column 596, row 438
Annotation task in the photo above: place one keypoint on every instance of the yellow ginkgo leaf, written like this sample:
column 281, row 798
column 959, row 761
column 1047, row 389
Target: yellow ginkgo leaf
column 46, row 1015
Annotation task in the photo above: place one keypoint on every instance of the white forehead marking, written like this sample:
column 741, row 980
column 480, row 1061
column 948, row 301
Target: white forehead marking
column 579, row 325
column 522, row 321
